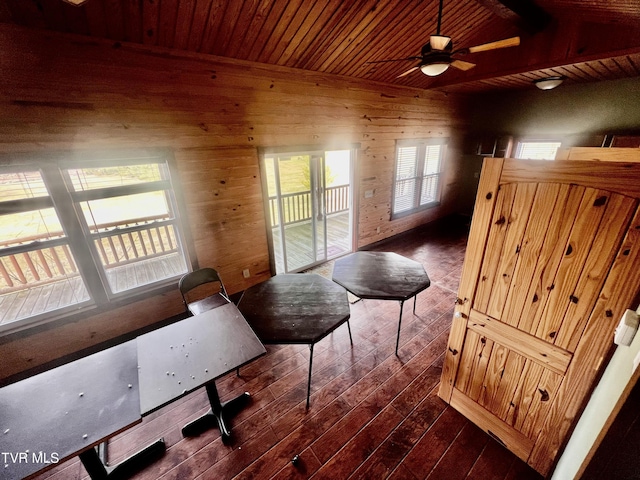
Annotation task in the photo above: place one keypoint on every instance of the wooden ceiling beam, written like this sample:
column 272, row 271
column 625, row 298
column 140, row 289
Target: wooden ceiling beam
column 524, row 14
column 462, row 79
column 558, row 45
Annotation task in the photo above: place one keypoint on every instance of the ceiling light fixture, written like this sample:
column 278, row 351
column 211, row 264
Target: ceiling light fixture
column 75, row 3
column 548, row 83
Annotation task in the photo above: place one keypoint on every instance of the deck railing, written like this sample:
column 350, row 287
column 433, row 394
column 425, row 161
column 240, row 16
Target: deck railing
column 37, row 264
column 28, row 262
column 296, row 207
column 120, row 244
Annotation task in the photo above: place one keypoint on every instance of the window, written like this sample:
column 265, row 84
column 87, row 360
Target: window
column 308, row 194
column 537, row 150
column 78, row 232
column 417, row 175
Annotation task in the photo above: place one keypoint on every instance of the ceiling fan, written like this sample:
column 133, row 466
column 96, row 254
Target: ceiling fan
column 437, row 55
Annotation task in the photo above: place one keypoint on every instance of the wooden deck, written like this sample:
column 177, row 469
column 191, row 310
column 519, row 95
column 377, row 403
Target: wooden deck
column 373, row 414
column 299, row 249
column 20, row 304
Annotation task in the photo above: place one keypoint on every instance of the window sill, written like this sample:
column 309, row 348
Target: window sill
column 421, row 208
column 26, row 328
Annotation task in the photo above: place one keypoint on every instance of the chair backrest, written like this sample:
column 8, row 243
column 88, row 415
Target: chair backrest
column 199, row 277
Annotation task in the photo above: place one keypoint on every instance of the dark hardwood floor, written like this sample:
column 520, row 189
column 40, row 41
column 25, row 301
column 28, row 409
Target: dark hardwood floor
column 372, row 415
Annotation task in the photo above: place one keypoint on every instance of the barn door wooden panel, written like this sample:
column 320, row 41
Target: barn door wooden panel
column 547, row 241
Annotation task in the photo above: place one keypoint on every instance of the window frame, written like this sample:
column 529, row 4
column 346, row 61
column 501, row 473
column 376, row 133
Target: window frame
column 421, row 153
column 53, row 168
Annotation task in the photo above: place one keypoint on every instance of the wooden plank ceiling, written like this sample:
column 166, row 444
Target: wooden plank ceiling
column 584, row 41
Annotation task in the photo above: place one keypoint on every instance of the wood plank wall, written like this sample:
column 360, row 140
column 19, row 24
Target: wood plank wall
column 63, row 92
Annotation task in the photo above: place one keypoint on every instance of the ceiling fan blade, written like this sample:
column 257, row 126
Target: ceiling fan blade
column 507, row 42
column 439, row 42
column 462, row 65
column 395, row 60
column 411, row 70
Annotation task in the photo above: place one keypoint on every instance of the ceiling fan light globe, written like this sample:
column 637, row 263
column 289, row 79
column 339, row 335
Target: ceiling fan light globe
column 434, row 69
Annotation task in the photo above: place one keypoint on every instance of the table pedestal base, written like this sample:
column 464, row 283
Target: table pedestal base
column 97, row 470
column 218, row 415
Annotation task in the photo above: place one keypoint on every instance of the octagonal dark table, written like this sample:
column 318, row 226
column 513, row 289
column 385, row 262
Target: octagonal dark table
column 382, row 276
column 295, row 308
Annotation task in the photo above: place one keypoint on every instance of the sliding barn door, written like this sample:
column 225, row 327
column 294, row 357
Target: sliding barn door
column 552, row 262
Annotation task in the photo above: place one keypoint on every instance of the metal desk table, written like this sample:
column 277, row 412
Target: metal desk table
column 382, row 276
column 186, row 355
column 295, row 308
column 69, row 410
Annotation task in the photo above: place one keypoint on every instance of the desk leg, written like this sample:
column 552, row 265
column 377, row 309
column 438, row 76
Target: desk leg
column 399, row 323
column 218, row 415
column 310, row 366
column 125, row 469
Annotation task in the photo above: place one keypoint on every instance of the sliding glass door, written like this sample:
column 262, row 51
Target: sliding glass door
column 309, row 207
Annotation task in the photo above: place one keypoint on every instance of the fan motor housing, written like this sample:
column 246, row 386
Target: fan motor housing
column 436, row 57
column 426, row 49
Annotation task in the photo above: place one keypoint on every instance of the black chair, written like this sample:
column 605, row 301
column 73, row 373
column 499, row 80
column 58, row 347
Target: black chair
column 202, row 290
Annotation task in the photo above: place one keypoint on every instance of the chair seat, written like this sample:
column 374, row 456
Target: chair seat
column 208, row 303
